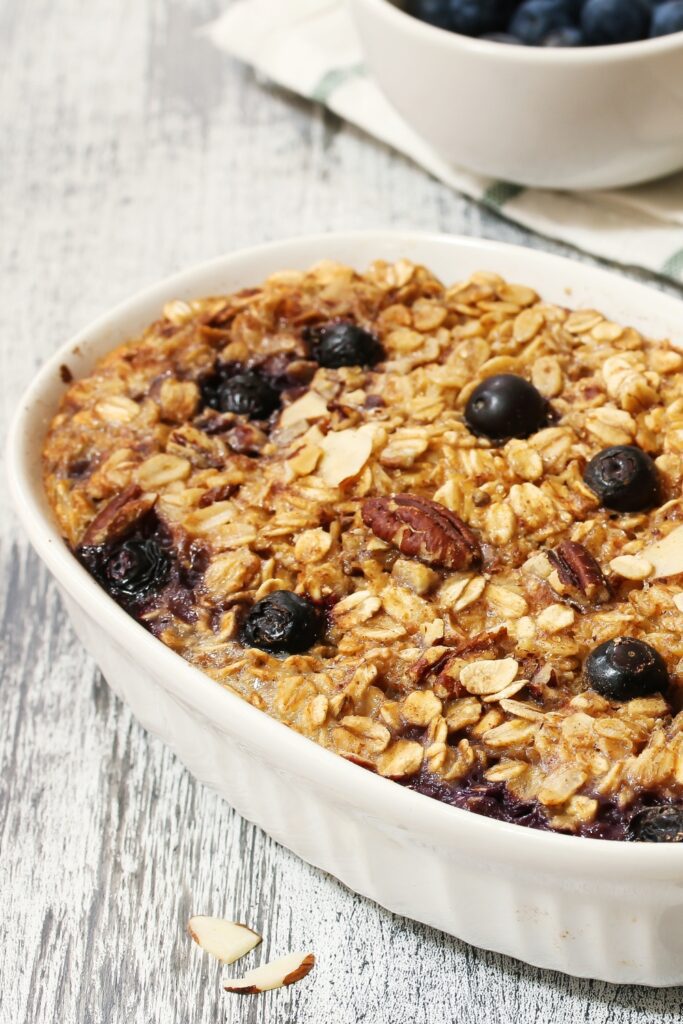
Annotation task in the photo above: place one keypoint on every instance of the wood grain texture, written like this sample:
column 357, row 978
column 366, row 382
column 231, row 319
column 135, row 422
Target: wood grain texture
column 128, row 148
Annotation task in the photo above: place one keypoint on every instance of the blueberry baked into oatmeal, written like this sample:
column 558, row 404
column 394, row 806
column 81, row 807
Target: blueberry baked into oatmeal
column 435, row 529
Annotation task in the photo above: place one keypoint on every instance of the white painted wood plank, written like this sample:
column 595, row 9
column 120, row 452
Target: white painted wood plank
column 128, row 149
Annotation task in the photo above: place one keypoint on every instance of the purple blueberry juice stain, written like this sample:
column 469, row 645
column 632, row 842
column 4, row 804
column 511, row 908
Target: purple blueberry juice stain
column 476, row 794
column 493, row 800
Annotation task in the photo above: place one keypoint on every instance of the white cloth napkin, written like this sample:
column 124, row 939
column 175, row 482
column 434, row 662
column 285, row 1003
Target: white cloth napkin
column 310, row 47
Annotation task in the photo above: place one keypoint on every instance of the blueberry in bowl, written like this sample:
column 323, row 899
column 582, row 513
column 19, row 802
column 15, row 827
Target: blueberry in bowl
column 667, row 18
column 554, row 23
column 605, row 22
column 536, row 21
column 567, row 36
column 468, row 17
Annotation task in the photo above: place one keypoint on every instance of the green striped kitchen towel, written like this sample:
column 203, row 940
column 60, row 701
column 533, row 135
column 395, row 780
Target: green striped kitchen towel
column 310, row 47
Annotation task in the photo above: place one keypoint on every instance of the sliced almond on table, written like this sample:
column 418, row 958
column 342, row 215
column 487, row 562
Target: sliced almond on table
column 666, row 555
column 225, row 940
column 277, row 974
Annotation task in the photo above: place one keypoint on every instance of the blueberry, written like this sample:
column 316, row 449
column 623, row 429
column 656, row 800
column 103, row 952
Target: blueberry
column 534, row 20
column 624, row 478
column 131, row 570
column 282, row 623
column 247, row 394
column 505, row 406
column 569, row 36
column 478, row 17
column 658, row 825
column 501, row 37
column 625, row 668
column 434, row 12
column 341, row 343
column 468, row 17
column 614, row 21
column 667, row 18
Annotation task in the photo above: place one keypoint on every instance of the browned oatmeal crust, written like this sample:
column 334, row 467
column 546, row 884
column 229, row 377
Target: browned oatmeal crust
column 463, row 583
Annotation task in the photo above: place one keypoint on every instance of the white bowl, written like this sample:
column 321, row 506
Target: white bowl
column 589, row 907
column 585, row 118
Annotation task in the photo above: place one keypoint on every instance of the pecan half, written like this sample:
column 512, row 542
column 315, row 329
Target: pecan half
column 422, row 529
column 118, row 516
column 578, row 570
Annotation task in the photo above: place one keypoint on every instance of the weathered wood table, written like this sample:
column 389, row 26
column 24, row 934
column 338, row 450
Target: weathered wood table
column 128, row 149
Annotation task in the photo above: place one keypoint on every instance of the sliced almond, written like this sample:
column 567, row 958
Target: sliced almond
column 482, row 677
column 277, row 974
column 345, row 452
column 225, row 940
column 310, row 406
column 666, row 555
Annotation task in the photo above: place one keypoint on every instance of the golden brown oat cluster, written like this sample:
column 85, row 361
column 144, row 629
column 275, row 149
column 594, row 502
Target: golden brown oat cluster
column 459, row 616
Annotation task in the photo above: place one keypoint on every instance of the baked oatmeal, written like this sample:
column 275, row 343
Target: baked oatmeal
column 433, row 528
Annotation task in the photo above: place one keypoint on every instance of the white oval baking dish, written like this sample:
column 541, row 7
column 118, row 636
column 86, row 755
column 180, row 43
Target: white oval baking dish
column 588, row 907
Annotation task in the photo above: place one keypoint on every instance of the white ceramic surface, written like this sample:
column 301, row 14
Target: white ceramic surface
column 604, row 910
column 586, row 118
